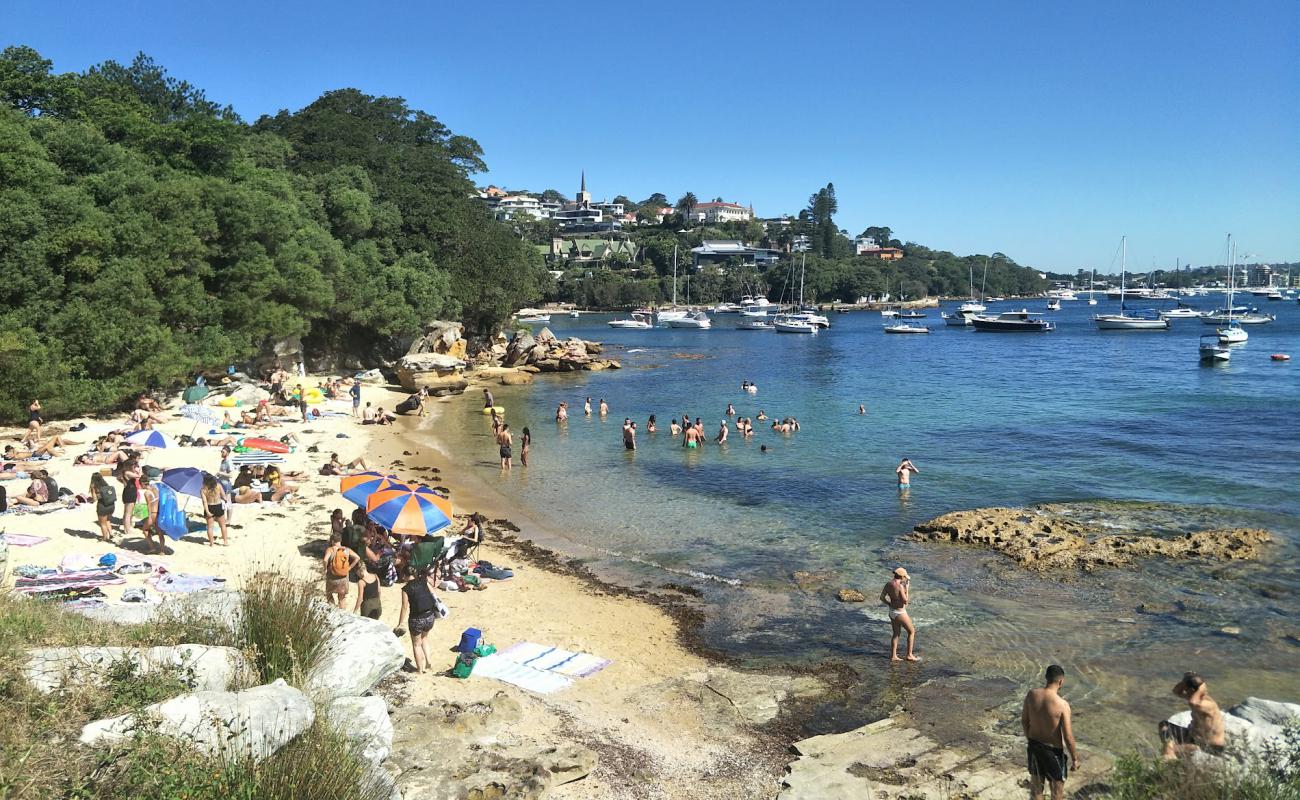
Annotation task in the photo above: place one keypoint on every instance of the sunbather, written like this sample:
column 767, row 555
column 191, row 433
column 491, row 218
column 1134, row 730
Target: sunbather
column 102, row 458
column 38, row 493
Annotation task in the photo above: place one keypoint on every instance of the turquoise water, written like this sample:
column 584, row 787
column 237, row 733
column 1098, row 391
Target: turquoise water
column 989, row 419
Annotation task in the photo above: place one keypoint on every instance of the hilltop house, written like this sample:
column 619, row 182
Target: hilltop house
column 712, row 213
column 719, row 252
column 867, row 246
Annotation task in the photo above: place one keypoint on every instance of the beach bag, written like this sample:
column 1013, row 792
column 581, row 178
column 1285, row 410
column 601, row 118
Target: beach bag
column 339, row 562
column 4, row 500
column 440, row 609
column 171, row 518
column 106, row 495
column 469, row 640
column 464, row 665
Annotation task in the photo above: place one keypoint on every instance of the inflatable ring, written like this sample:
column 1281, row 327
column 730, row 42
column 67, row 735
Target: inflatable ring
column 315, row 396
column 228, row 402
column 499, row 409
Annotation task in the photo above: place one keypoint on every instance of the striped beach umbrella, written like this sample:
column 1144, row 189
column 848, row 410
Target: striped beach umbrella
column 357, row 488
column 409, row 511
column 149, row 439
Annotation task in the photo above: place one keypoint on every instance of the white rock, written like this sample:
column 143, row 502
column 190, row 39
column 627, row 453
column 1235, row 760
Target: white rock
column 253, row 723
column 202, row 667
column 365, row 721
column 359, row 653
column 1266, row 712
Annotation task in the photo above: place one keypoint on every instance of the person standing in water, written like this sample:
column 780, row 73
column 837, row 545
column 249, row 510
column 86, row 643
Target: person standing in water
column 488, row 400
column 525, row 444
column 604, row 407
column 586, row 407
column 731, row 410
column 504, row 440
column 562, row 412
column 629, row 435
column 905, row 470
column 896, row 595
column 1045, row 719
column 722, row 432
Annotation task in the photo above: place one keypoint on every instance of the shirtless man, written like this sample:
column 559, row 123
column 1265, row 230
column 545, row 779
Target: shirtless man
column 1045, row 718
column 504, row 440
column 896, row 595
column 604, row 407
column 562, row 412
column 693, row 438
column 905, row 470
column 1206, row 731
column 722, row 432
column 629, row 434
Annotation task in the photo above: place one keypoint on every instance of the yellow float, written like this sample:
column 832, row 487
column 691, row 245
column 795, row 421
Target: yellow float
column 228, row 402
column 499, row 409
column 315, row 396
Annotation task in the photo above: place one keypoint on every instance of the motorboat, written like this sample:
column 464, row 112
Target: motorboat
column 971, row 307
column 754, row 300
column 726, row 308
column 1245, row 318
column 1125, row 321
column 1062, row 294
column 1012, row 322
column 1212, row 348
column 957, row 319
column 533, row 319
column 754, row 324
column 637, row 322
column 911, row 315
column 697, row 320
column 812, row 316
column 787, row 323
column 756, row 310
column 665, row 316
column 574, row 315
column 1181, row 312
column 889, row 312
column 1233, row 334
column 1275, row 295
column 1055, row 305
column 904, row 327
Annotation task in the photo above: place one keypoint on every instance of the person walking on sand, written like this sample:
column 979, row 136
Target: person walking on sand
column 905, row 470
column 213, row 495
column 896, row 595
column 1045, row 719
column 1206, row 729
column 355, row 391
column 105, row 497
column 525, row 444
column 368, row 604
column 339, row 562
column 504, row 440
column 419, row 609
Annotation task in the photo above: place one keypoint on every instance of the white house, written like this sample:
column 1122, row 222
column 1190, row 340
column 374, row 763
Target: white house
column 721, row 212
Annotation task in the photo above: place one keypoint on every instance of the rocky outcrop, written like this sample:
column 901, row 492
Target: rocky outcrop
column 439, row 373
column 365, row 721
column 360, row 653
column 547, row 353
column 253, row 723
column 439, row 336
column 201, row 667
column 1041, row 540
column 850, row 596
column 453, row 751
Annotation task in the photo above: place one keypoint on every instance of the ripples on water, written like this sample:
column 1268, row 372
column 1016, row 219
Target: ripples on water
column 990, row 419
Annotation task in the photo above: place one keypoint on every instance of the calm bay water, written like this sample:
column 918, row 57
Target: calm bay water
column 1074, row 416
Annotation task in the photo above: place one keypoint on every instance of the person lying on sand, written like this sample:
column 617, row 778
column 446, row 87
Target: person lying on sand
column 336, row 467
column 93, row 458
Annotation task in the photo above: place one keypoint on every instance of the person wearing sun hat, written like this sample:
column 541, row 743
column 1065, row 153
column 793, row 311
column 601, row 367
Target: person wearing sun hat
column 896, row 596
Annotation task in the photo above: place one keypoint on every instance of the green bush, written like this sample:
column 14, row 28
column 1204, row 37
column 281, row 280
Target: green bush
column 283, row 626
column 1141, row 777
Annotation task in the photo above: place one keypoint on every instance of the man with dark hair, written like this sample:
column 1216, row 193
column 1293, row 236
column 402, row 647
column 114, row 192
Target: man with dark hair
column 1206, row 729
column 1045, row 718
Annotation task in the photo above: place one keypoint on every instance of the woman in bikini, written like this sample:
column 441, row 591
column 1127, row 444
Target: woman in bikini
column 105, row 500
column 213, row 495
column 128, row 474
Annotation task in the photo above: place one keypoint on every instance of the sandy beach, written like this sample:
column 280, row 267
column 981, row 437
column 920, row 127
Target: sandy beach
column 656, row 715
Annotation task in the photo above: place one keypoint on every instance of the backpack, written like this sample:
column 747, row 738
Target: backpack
column 51, row 487
column 107, row 495
column 339, row 562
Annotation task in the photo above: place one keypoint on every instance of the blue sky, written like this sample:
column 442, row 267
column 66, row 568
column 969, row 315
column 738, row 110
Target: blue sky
column 1042, row 129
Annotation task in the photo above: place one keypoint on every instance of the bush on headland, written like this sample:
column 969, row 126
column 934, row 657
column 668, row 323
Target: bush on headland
column 147, row 232
column 281, row 629
column 1274, row 776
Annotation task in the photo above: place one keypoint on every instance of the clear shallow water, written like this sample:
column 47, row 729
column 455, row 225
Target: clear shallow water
column 990, row 419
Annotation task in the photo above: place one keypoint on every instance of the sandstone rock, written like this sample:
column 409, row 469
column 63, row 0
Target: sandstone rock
column 548, row 365
column 593, row 348
column 545, row 336
column 440, row 336
column 254, row 723
column 438, row 385
column 519, row 349
column 611, row 363
column 755, row 697
column 202, row 667
column 371, row 376
column 809, row 580
column 516, row 378
column 360, row 653
column 850, row 596
column 246, row 394
column 1040, row 540
column 530, row 368
column 422, row 362
column 365, row 721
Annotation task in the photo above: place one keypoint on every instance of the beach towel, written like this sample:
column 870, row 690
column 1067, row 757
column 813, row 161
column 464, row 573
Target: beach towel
column 62, row 582
column 253, row 459
column 503, row 669
column 23, row 539
column 553, row 659
column 77, row 562
column 180, row 583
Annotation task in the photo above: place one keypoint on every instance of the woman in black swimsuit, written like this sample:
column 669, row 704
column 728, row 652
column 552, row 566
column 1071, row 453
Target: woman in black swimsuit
column 368, row 604
column 419, row 610
column 213, row 495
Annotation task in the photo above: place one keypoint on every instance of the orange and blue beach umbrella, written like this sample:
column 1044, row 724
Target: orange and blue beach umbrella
column 360, row 486
column 409, row 511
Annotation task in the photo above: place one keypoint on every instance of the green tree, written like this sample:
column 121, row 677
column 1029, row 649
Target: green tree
column 686, row 204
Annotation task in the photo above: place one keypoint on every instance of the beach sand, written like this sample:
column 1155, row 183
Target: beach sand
column 654, row 715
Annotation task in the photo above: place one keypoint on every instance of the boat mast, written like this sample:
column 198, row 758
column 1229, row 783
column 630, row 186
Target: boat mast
column 984, row 279
column 802, row 268
column 1123, row 268
column 674, row 274
column 1232, row 268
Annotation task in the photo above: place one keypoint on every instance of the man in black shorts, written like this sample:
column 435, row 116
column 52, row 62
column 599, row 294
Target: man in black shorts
column 1045, row 718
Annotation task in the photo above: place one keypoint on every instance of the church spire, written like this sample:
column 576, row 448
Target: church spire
column 584, row 181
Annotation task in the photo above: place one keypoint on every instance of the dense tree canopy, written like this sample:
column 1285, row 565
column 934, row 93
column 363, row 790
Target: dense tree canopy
column 147, row 232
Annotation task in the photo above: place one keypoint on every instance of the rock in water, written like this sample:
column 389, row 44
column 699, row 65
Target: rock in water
column 1041, row 540
column 518, row 349
column 201, row 667
column 359, row 653
column 254, row 723
column 851, row 596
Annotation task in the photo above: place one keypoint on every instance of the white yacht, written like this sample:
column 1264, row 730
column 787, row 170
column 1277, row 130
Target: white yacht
column 533, row 319
column 785, row 323
column 697, row 320
column 1054, row 305
column 754, row 324
column 1062, row 294
column 726, row 308
column 904, row 327
column 1212, row 349
column 638, row 321
column 1125, row 321
column 957, row 319
column 1181, row 312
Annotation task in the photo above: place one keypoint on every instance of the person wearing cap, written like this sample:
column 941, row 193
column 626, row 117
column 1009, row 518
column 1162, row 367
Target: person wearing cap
column 1206, row 730
column 895, row 595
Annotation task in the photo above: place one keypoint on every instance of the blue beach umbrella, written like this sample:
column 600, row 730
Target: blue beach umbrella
column 149, row 439
column 358, row 488
column 185, row 480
